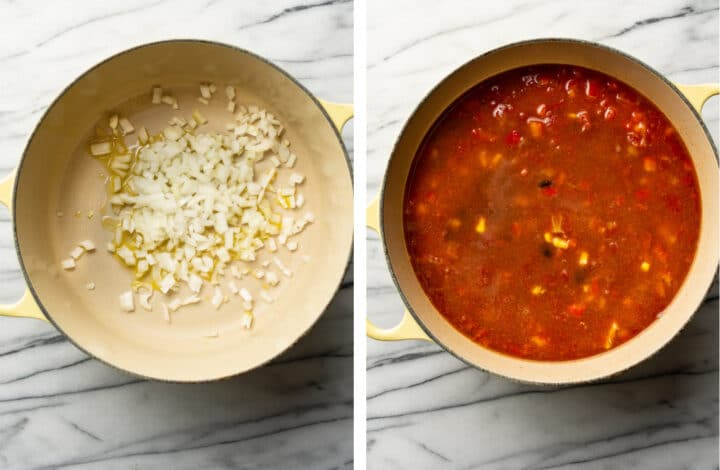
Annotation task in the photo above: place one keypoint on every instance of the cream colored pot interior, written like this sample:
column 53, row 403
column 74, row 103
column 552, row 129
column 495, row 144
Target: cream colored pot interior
column 626, row 70
column 57, row 174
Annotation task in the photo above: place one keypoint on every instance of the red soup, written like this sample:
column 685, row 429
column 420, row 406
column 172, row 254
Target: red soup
column 552, row 213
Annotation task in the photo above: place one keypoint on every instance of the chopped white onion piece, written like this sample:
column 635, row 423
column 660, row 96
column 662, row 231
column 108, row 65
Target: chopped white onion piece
column 247, row 320
column 193, row 299
column 296, row 178
column 205, row 92
column 217, row 298
column 172, row 133
column 167, row 283
column 126, row 255
column 198, row 117
column 286, row 272
column 230, row 92
column 126, row 126
column 156, row 95
column 113, row 121
column 144, row 299
column 171, row 101
column 127, row 301
column 245, row 294
column 143, row 136
column 76, row 252
column 68, row 264
column 195, row 283
column 100, row 148
column 87, row 245
column 272, row 278
column 235, row 271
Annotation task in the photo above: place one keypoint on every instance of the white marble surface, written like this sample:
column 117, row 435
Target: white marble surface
column 427, row 409
column 60, row 409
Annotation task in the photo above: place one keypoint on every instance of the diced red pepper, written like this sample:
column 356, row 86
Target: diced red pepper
column 513, row 138
column 576, row 310
column 550, row 191
column 642, row 194
column 592, row 88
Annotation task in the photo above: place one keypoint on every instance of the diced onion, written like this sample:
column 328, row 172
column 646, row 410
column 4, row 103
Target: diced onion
column 127, row 301
column 77, row 252
column 126, row 126
column 186, row 205
column 87, row 245
column 68, row 264
column 100, row 148
column 247, row 320
column 156, row 95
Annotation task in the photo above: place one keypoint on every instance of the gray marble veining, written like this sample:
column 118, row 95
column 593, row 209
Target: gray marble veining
column 427, row 409
column 61, row 409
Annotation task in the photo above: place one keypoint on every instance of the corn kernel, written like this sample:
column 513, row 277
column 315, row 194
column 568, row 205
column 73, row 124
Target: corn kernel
column 645, row 266
column 480, row 226
column 537, row 290
column 560, row 243
column 536, row 129
column 649, row 164
column 583, row 261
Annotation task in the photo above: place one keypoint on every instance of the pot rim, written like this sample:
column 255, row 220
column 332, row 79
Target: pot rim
column 383, row 186
column 50, row 108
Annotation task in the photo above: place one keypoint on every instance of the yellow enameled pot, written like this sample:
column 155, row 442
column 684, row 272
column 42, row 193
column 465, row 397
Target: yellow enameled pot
column 421, row 320
column 57, row 174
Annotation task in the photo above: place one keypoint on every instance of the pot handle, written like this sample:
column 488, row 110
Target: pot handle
column 408, row 327
column 26, row 306
column 339, row 113
column 697, row 95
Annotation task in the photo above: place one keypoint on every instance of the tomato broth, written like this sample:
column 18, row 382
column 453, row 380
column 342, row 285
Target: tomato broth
column 552, row 213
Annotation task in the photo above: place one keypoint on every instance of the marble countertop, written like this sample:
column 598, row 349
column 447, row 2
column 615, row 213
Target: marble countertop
column 427, row 409
column 61, row 409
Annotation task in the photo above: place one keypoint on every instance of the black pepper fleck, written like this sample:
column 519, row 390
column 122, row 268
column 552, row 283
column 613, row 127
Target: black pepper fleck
column 544, row 183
